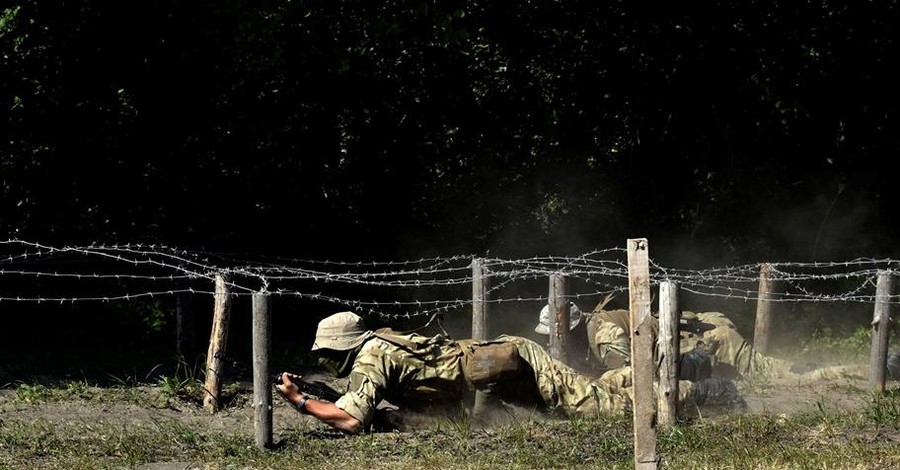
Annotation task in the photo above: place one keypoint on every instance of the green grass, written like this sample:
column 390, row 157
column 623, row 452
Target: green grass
column 824, row 438
column 810, row 440
column 826, row 344
column 69, row 391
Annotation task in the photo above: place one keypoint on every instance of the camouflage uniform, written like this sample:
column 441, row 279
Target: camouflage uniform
column 577, row 349
column 609, row 337
column 732, row 356
column 426, row 376
column 428, row 373
column 565, row 390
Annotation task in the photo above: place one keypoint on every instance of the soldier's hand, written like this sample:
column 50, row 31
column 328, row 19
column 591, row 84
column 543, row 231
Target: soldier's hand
column 287, row 388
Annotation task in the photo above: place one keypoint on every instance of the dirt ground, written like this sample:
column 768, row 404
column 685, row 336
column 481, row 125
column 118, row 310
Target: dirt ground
column 770, row 397
column 785, row 397
column 237, row 419
column 763, row 397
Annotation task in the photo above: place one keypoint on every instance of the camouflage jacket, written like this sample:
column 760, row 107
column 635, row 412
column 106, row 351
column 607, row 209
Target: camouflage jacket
column 411, row 370
column 421, row 373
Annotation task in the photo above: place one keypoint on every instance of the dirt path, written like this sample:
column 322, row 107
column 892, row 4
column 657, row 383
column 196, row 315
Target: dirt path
column 99, row 416
column 774, row 397
column 237, row 419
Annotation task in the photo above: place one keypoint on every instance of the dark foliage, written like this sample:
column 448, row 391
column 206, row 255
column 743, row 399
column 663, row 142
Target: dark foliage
column 721, row 131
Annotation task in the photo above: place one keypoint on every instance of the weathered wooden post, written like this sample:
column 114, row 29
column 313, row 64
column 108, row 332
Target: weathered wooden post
column 642, row 369
column 559, row 318
column 215, row 356
column 480, row 286
column 880, row 332
column 262, row 376
column 668, row 345
column 763, row 310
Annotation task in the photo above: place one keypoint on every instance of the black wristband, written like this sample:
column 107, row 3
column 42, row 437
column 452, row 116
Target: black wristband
column 301, row 407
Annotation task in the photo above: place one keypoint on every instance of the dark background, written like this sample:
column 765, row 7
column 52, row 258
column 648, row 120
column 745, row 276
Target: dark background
column 724, row 132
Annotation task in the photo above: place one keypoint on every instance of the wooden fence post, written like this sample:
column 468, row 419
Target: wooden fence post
column 668, row 345
column 480, row 286
column 559, row 318
column 645, row 457
column 215, row 356
column 880, row 332
column 262, row 375
column 763, row 310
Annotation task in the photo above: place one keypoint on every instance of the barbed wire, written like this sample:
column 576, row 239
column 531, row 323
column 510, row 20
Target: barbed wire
column 402, row 289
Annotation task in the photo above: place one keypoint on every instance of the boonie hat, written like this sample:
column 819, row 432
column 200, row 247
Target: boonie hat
column 341, row 331
column 543, row 326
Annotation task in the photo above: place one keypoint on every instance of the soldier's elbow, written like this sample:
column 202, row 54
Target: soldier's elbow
column 349, row 425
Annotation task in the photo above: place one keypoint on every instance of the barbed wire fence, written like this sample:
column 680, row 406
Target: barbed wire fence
column 397, row 291
column 36, row 273
column 104, row 273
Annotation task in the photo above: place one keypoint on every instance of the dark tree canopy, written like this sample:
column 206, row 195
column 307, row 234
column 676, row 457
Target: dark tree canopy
column 358, row 130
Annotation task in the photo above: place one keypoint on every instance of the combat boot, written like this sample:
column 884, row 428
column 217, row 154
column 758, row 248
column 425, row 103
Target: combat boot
column 714, row 392
column 893, row 365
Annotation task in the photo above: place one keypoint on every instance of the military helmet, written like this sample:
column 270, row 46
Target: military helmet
column 543, row 326
column 341, row 331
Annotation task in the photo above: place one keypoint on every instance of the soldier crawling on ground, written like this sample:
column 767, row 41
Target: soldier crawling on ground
column 438, row 374
column 703, row 336
column 587, row 352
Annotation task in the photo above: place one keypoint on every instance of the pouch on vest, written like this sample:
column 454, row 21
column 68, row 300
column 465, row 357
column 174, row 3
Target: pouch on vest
column 490, row 362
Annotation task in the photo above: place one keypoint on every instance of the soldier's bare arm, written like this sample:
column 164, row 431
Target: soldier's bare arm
column 335, row 417
column 324, row 411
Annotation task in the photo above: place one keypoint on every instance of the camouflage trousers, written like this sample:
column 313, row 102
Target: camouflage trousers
column 564, row 390
column 859, row 372
column 619, row 380
column 733, row 356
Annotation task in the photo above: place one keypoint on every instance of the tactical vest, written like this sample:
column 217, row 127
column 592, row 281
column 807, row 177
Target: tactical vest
column 482, row 362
